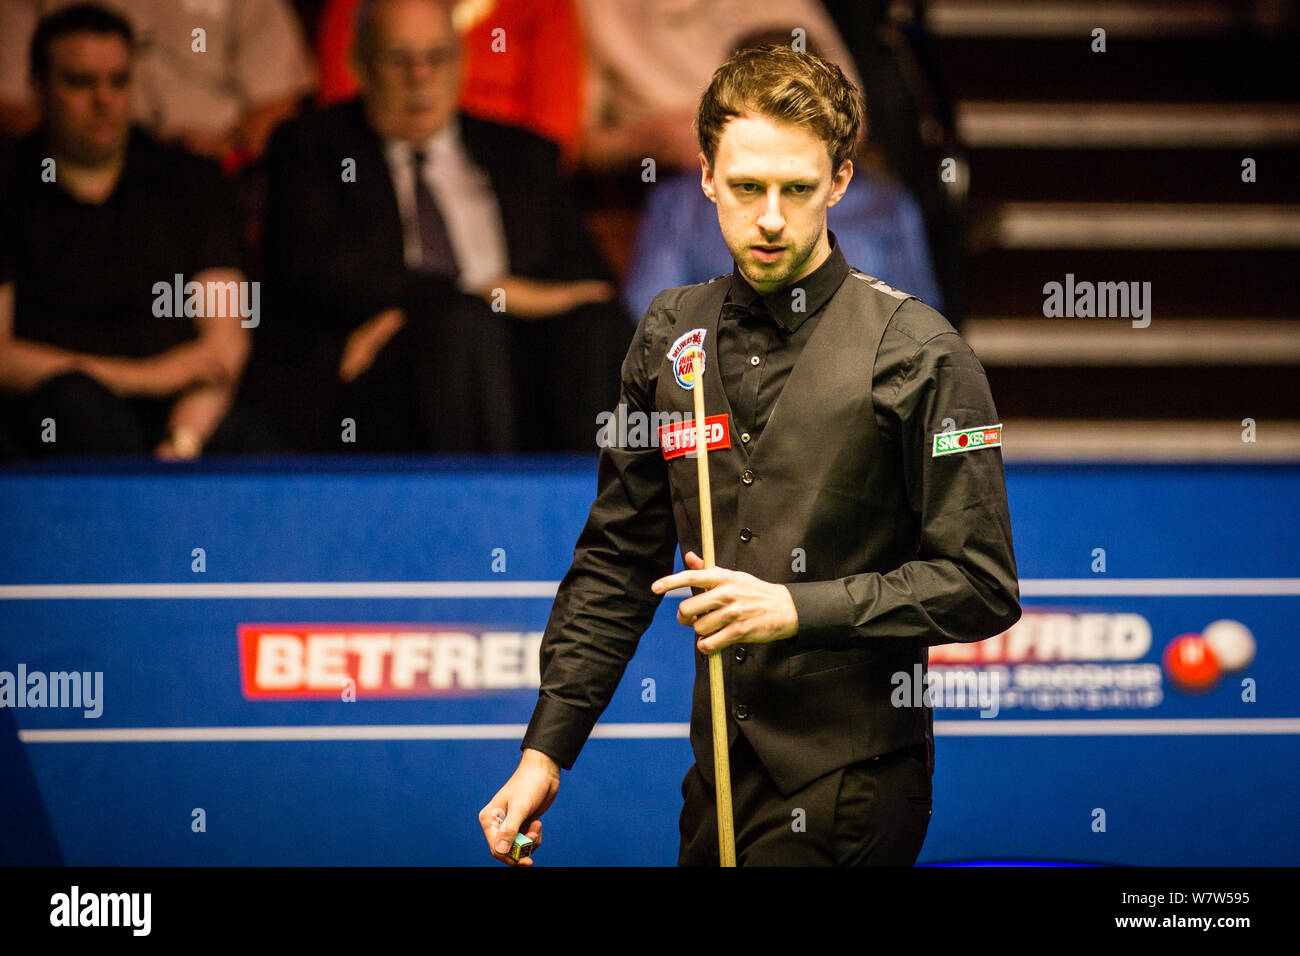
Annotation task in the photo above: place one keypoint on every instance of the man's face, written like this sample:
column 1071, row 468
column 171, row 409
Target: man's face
column 412, row 79
column 772, row 184
column 86, row 96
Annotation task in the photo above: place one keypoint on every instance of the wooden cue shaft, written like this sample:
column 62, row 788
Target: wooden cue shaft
column 717, row 692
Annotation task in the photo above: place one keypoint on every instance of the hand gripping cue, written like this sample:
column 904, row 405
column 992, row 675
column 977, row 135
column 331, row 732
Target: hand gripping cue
column 721, row 759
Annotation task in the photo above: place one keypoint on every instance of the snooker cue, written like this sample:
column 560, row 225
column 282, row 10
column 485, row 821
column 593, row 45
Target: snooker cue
column 721, row 759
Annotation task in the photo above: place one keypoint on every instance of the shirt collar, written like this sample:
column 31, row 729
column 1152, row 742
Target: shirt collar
column 142, row 161
column 818, row 287
column 441, row 143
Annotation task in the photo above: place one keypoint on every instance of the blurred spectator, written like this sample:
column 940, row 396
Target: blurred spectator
column 877, row 224
column 218, row 93
column 522, row 63
column 444, row 295
column 649, row 61
column 100, row 227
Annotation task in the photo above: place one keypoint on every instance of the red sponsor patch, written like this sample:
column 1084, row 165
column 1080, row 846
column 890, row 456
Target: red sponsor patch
column 288, row 661
column 678, row 438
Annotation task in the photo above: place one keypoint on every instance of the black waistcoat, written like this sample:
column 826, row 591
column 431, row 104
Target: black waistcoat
column 819, row 495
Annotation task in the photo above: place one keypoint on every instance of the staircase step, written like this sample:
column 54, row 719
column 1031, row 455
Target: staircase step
column 1227, row 393
column 1060, row 18
column 1027, row 440
column 1062, row 225
column 1074, row 124
column 1174, row 69
column 1194, row 283
column 1115, row 342
column 1134, row 175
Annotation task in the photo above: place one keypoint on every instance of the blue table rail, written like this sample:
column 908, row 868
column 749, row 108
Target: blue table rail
column 331, row 662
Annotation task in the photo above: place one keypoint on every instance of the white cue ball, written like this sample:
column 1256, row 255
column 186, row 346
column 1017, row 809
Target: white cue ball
column 1232, row 643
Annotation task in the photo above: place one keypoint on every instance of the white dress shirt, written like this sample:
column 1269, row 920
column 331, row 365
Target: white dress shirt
column 465, row 198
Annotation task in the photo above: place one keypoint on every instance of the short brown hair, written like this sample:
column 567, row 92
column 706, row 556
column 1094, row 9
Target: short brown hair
column 79, row 18
column 784, row 84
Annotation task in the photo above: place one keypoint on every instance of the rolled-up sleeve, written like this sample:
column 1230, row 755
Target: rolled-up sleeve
column 604, row 603
column 962, row 585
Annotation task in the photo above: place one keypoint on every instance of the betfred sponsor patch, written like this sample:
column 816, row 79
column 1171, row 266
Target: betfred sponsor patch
column 949, row 443
column 288, row 661
column 678, row 438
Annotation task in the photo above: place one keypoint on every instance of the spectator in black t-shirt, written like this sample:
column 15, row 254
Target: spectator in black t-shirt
column 102, row 230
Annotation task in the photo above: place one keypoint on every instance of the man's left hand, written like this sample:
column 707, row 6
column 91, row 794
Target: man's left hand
column 366, row 341
column 542, row 298
column 737, row 608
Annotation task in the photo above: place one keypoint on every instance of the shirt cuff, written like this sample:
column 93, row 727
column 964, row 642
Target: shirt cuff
column 821, row 606
column 558, row 730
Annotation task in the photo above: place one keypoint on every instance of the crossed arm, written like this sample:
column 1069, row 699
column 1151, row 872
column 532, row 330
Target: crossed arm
column 203, row 373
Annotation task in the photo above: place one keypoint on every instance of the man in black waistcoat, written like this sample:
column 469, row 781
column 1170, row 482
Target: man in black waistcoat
column 859, row 506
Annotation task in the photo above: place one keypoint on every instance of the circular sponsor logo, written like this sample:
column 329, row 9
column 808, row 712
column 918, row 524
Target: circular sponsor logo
column 684, row 367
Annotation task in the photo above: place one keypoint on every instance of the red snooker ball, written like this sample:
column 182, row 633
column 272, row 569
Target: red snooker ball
column 1191, row 663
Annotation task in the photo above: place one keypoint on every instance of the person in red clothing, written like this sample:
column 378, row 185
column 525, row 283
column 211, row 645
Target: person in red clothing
column 523, row 63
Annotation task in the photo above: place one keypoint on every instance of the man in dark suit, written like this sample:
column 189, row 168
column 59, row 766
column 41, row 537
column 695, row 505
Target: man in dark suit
column 859, row 508
column 443, row 292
